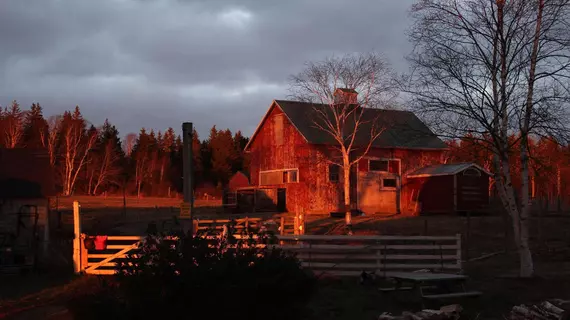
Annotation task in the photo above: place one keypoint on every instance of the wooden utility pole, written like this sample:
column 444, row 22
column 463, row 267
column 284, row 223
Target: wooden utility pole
column 187, row 167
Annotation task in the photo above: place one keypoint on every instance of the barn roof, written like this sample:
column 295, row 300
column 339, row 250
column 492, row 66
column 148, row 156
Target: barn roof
column 402, row 128
column 25, row 173
column 445, row 170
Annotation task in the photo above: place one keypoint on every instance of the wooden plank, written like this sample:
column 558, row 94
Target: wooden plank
column 361, row 238
column 453, row 295
column 108, row 264
column 373, row 266
column 113, row 256
column 341, row 247
column 118, row 246
column 124, row 238
column 333, row 256
column 458, row 250
column 222, row 221
column 101, row 272
column 105, row 255
column 337, row 273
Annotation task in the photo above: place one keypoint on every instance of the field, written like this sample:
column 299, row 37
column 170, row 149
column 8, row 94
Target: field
column 491, row 260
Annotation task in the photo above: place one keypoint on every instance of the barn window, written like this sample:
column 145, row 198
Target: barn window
column 293, row 175
column 270, row 177
column 472, row 172
column 389, row 183
column 278, row 176
column 334, row 173
column 385, row 165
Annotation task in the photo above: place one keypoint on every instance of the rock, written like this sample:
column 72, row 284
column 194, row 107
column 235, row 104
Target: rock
column 452, row 308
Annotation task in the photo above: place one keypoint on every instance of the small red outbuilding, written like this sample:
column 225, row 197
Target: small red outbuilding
column 239, row 180
column 450, row 188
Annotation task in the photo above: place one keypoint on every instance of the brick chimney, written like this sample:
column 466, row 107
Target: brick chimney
column 345, row 96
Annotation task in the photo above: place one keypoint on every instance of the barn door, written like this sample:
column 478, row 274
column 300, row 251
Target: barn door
column 378, row 193
column 281, row 200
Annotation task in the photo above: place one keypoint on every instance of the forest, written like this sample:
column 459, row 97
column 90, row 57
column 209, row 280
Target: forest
column 95, row 160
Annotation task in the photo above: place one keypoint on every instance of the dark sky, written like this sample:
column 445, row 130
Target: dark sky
column 158, row 63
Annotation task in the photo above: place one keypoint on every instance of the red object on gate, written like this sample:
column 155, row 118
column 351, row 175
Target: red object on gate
column 100, row 242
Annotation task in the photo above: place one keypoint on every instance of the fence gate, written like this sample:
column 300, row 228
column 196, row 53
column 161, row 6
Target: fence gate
column 105, row 261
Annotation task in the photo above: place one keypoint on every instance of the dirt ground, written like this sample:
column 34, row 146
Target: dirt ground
column 21, row 297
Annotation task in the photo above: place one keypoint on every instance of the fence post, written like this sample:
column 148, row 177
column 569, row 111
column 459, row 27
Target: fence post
column 468, row 237
column 282, row 231
column 76, row 239
column 459, row 262
column 84, row 253
column 302, row 224
column 247, row 224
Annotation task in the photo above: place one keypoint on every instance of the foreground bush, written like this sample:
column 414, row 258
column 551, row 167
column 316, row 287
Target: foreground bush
column 194, row 278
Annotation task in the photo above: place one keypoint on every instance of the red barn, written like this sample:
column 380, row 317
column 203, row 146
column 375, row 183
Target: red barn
column 460, row 187
column 289, row 159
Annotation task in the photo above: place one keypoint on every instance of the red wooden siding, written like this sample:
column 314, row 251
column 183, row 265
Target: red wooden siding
column 238, row 180
column 472, row 192
column 278, row 145
column 435, row 193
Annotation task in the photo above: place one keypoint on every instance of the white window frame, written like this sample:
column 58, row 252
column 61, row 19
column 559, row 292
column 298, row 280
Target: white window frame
column 386, row 159
column 471, row 169
column 279, row 170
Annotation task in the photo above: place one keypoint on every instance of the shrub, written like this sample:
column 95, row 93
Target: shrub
column 195, row 277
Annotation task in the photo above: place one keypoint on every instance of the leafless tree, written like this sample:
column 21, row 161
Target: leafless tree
column 13, row 119
column 130, row 140
column 76, row 146
column 341, row 115
column 108, row 166
column 494, row 68
column 54, row 127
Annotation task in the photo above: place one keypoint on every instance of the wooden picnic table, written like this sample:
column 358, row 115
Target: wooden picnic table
column 420, row 281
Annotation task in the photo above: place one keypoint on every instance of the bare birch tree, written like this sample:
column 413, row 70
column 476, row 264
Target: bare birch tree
column 332, row 85
column 494, row 68
column 13, row 125
column 130, row 140
column 54, row 127
column 76, row 145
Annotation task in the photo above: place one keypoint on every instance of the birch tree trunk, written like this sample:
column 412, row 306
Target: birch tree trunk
column 346, row 174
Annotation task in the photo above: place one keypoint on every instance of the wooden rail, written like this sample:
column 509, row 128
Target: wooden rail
column 334, row 255
column 292, row 225
column 324, row 254
column 350, row 255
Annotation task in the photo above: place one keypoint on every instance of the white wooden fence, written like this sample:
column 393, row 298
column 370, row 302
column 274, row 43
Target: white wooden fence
column 350, row 255
column 323, row 254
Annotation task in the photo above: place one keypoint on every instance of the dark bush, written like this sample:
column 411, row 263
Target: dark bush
column 194, row 277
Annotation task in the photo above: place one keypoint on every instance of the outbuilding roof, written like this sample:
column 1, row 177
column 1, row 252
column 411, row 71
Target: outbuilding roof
column 445, row 170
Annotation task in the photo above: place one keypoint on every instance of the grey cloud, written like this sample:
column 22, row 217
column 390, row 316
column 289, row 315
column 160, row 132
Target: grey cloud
column 156, row 63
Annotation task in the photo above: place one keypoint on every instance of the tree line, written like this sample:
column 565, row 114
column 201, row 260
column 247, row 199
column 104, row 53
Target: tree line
column 549, row 161
column 94, row 160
